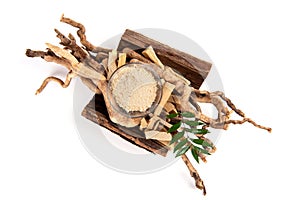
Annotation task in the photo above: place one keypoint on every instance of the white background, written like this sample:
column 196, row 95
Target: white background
column 255, row 46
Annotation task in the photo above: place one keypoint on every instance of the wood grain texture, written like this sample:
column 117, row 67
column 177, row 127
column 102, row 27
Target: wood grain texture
column 96, row 112
column 192, row 68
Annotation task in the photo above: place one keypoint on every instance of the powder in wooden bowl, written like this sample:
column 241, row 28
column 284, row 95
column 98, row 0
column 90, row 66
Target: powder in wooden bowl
column 134, row 88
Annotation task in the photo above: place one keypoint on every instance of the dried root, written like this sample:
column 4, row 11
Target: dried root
column 223, row 120
column 70, row 43
column 65, row 84
column 94, row 65
column 77, row 60
column 249, row 121
column 91, row 85
column 134, row 55
column 198, row 181
column 49, row 56
column 81, row 34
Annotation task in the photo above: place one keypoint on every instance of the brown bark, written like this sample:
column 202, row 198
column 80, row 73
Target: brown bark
column 77, row 51
column 96, row 111
column 192, row 68
column 49, row 56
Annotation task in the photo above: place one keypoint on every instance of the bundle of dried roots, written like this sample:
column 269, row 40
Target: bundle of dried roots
column 94, row 65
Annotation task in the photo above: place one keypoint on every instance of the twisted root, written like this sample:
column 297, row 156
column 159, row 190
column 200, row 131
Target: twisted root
column 223, row 120
column 65, row 84
column 189, row 97
column 81, row 34
column 249, row 121
column 198, row 181
column 70, row 43
column 69, row 60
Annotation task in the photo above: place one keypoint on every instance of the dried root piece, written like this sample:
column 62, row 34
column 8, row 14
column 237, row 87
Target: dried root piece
column 143, row 124
column 223, row 119
column 104, row 63
column 169, row 107
column 249, row 121
column 91, row 85
column 202, row 157
column 229, row 103
column 150, row 53
column 81, row 34
column 239, row 112
column 65, row 84
column 63, row 53
column 177, row 76
column 94, row 66
column 70, row 44
column 198, row 181
column 49, row 56
column 91, row 62
column 162, row 136
column 65, row 58
column 122, row 59
column 134, row 60
column 153, row 124
column 158, row 135
column 132, row 54
column 80, row 54
column 166, row 93
column 76, row 66
column 111, row 63
column 100, row 56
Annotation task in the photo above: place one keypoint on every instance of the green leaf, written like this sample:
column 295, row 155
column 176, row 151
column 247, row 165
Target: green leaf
column 206, row 144
column 172, row 115
column 187, row 114
column 174, row 127
column 192, row 123
column 202, row 150
column 197, row 130
column 198, row 141
column 176, row 137
column 195, row 154
column 201, row 123
column 202, row 142
column 182, row 151
column 180, row 144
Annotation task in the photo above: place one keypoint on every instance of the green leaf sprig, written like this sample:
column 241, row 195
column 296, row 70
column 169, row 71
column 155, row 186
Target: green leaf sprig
column 184, row 139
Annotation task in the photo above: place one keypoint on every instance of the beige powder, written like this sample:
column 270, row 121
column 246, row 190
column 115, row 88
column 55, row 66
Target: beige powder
column 134, row 89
